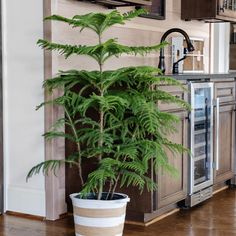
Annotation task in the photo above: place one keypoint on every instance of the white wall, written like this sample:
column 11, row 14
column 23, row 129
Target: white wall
column 22, row 91
column 220, row 47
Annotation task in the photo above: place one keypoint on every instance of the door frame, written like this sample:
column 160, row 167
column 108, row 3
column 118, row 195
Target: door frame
column 54, row 185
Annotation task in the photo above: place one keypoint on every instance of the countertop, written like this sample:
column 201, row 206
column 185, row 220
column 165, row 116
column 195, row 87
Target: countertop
column 203, row 76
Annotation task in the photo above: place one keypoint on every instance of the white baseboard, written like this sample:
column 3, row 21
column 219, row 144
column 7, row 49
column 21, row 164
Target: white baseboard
column 27, row 201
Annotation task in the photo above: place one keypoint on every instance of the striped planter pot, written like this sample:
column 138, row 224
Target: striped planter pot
column 99, row 217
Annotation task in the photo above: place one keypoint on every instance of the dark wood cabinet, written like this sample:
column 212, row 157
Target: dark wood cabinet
column 232, row 56
column 226, row 144
column 225, row 91
column 156, row 8
column 232, row 47
column 172, row 189
column 210, row 10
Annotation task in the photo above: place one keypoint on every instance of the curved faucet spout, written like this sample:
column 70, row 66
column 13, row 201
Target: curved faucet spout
column 190, row 47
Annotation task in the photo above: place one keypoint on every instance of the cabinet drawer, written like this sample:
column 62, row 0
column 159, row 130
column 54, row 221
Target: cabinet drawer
column 225, row 91
column 175, row 91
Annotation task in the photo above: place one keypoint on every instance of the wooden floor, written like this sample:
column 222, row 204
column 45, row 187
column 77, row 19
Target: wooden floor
column 216, row 217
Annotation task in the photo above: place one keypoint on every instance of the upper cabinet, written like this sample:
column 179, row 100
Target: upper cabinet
column 122, row 3
column 210, row 10
column 156, row 8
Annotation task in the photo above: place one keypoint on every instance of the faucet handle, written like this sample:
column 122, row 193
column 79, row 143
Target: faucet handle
column 175, row 69
column 185, row 51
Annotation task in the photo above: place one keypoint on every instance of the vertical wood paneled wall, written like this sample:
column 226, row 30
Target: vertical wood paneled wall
column 140, row 31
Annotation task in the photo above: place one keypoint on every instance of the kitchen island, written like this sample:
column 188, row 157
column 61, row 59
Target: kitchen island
column 203, row 76
column 173, row 191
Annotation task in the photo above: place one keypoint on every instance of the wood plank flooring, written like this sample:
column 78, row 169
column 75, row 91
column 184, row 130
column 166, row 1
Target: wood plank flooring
column 216, row 217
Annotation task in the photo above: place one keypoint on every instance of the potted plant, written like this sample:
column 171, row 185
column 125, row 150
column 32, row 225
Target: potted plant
column 114, row 121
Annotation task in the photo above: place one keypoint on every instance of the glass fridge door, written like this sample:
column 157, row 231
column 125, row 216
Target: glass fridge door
column 201, row 135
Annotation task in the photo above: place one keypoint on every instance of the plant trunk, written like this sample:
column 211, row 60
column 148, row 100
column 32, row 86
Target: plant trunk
column 78, row 146
column 100, row 190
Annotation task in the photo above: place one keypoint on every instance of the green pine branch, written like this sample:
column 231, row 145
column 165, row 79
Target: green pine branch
column 98, row 22
column 100, row 52
column 112, row 115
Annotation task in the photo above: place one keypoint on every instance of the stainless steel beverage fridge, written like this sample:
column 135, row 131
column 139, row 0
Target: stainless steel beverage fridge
column 201, row 146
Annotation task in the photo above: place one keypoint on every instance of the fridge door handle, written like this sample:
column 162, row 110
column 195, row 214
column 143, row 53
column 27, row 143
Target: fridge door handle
column 217, row 126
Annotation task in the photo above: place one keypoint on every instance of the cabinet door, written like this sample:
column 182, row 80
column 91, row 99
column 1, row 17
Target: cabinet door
column 178, row 93
column 226, row 144
column 172, row 189
column 156, row 10
column 210, row 10
column 200, row 9
column 227, row 8
column 225, row 91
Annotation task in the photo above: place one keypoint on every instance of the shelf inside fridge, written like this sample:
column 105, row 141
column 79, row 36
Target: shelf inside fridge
column 201, row 118
column 197, row 158
column 201, row 173
column 201, row 150
column 201, row 138
column 199, row 180
column 201, row 125
column 200, row 144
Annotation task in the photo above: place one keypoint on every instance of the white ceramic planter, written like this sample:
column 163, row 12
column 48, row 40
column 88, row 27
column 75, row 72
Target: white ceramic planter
column 99, row 217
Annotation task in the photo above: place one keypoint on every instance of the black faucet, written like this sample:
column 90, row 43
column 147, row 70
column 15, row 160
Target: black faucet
column 190, row 48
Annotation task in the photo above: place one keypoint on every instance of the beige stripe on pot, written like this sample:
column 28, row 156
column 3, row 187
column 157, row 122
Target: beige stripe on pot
column 99, row 213
column 99, row 231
